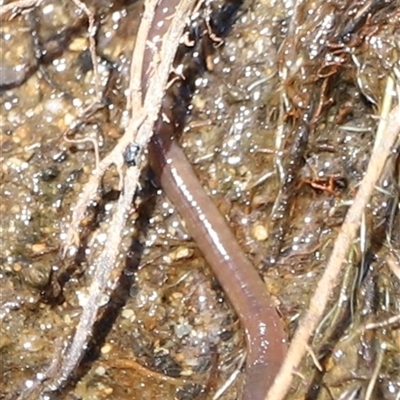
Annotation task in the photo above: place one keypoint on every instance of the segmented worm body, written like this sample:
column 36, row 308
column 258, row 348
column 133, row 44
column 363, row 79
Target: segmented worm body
column 265, row 336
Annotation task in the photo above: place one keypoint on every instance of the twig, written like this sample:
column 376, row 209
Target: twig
column 327, row 283
column 375, row 373
column 116, row 155
column 134, row 98
column 393, row 265
column 87, row 139
column 314, row 358
column 92, row 47
column 101, row 281
column 139, row 131
column 140, row 127
column 159, row 78
column 17, row 6
column 139, row 369
column 89, row 192
column 383, row 324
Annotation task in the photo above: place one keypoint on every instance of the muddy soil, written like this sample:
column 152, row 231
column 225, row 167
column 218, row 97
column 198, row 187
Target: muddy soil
column 280, row 131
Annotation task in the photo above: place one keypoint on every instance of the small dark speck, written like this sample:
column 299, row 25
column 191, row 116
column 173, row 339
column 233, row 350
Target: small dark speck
column 85, row 61
column 131, row 153
column 167, row 365
column 50, row 173
column 226, row 335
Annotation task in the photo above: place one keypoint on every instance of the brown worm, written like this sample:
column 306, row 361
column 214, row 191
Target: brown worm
column 265, row 336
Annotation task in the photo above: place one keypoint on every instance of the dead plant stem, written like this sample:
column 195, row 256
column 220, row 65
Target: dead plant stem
column 101, row 281
column 329, row 279
column 139, row 131
column 18, row 6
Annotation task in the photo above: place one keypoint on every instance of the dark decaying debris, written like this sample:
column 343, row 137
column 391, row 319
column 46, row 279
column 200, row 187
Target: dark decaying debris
column 296, row 92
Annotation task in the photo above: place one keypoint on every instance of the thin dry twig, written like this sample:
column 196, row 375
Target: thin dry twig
column 314, row 358
column 87, row 139
column 139, row 131
column 393, row 265
column 92, row 47
column 328, row 281
column 383, row 324
column 18, row 6
column 375, row 373
column 101, row 281
column 144, row 114
column 134, row 99
column 137, row 368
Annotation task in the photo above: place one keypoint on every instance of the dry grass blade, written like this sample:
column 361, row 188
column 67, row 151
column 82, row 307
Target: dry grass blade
column 382, row 149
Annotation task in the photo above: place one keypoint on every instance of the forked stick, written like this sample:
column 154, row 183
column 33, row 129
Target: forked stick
column 139, row 131
column 116, row 155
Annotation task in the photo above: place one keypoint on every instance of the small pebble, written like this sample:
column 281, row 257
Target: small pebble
column 108, row 390
column 177, row 295
column 181, row 252
column 106, row 348
column 17, row 267
column 79, row 44
column 38, row 248
column 128, row 314
column 259, row 233
column 100, row 371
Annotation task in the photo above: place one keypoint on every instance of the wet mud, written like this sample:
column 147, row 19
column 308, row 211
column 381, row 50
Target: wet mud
column 279, row 129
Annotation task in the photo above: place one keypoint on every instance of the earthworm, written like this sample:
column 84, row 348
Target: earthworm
column 265, row 336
